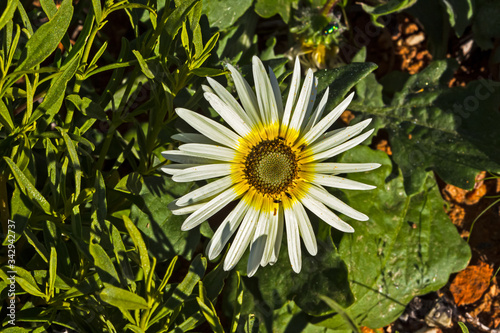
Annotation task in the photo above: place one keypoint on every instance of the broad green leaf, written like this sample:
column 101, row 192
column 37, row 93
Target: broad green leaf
column 16, row 329
column 452, row 131
column 266, row 8
column 122, row 298
column 45, row 40
column 409, row 247
column 459, row 13
column 8, row 13
column 387, row 8
column 341, row 80
column 486, row 28
column 49, row 7
column 55, row 96
column 103, row 264
column 151, row 214
column 224, row 14
column 28, row 188
column 272, row 286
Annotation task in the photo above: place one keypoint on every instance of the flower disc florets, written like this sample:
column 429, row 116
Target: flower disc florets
column 271, row 167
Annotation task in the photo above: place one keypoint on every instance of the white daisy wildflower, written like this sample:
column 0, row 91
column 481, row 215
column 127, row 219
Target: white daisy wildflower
column 271, row 160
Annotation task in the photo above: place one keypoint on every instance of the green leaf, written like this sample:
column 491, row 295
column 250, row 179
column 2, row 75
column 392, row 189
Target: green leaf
column 96, row 5
column 52, row 270
column 237, row 304
column 390, row 7
column 49, row 7
column 452, row 131
column 5, row 117
column 135, row 234
column 28, row 188
column 208, row 310
column 222, row 14
column 341, row 80
column 459, row 13
column 23, row 278
column 8, row 13
column 75, row 161
column 88, row 107
column 103, row 264
column 45, row 40
column 121, row 298
column 486, row 28
column 273, row 286
column 120, row 252
column 150, row 213
column 21, row 210
column 55, row 96
column 205, row 71
column 408, row 248
column 144, row 66
column 266, row 8
column 341, row 312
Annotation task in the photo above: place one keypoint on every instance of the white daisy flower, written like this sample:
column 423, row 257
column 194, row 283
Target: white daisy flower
column 271, row 160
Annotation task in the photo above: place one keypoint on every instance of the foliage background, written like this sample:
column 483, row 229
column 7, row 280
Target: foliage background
column 88, row 91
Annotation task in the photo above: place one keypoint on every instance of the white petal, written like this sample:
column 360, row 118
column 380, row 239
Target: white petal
column 205, row 191
column 336, row 168
column 339, row 182
column 210, row 128
column 341, row 148
column 265, row 94
column 292, row 95
column 209, row 209
column 186, row 158
column 258, row 243
column 202, row 172
column 326, row 122
column 277, row 92
column 173, row 169
column 331, row 201
column 316, row 116
column 300, row 109
column 339, row 138
column 271, row 236
column 228, row 114
column 230, row 101
column 279, row 236
column 192, row 138
column 176, row 210
column 209, row 151
column 325, row 214
column 246, row 95
column 243, row 238
column 293, row 240
column 226, row 229
column 310, row 104
column 305, row 228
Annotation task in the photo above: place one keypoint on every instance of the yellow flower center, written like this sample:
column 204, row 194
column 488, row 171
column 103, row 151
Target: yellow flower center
column 271, row 167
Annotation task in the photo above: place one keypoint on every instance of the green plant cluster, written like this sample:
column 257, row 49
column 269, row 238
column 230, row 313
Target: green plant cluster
column 88, row 91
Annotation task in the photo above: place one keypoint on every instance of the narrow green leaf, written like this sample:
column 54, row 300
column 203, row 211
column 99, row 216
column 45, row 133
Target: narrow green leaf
column 120, row 252
column 21, row 210
column 31, row 289
column 208, row 310
column 103, row 264
column 37, row 245
column 87, row 107
column 24, row 17
column 8, row 13
column 237, row 304
column 135, row 234
column 121, row 298
column 5, row 117
column 168, row 274
column 200, row 59
column 206, row 71
column 27, row 188
column 185, row 39
column 98, row 54
column 45, row 40
column 55, row 96
column 96, row 5
column 75, row 161
column 52, row 270
column 144, row 66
